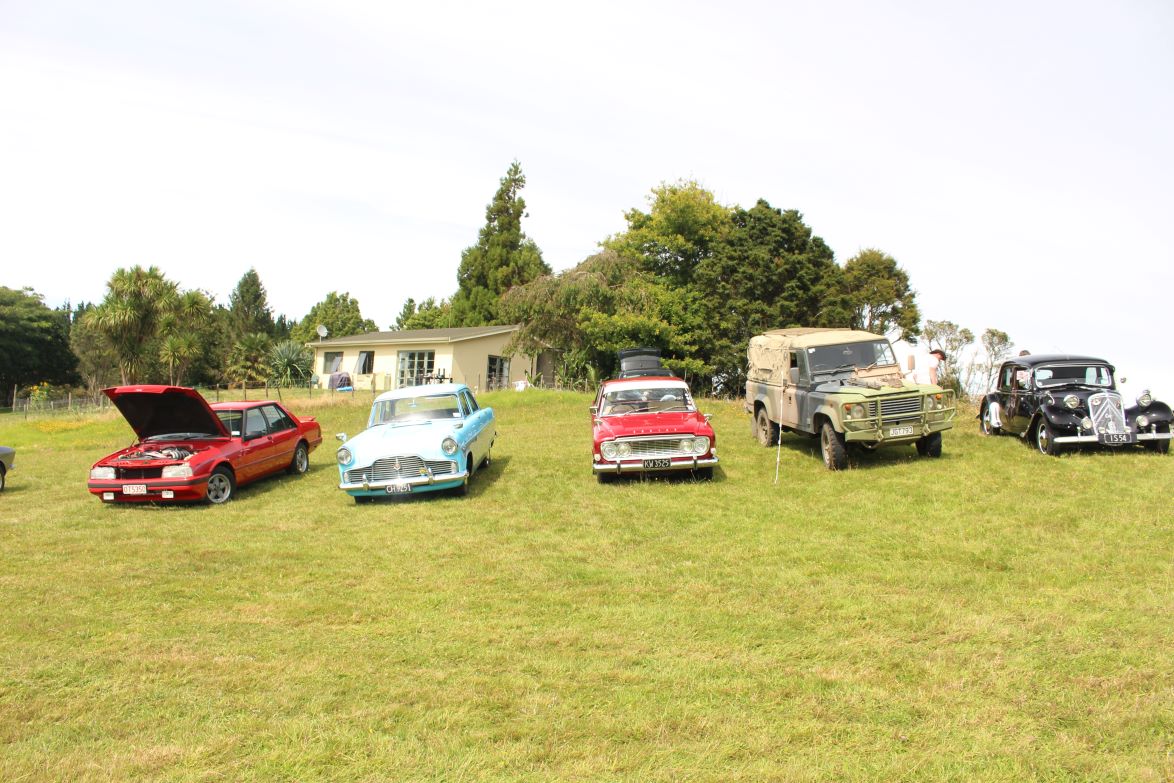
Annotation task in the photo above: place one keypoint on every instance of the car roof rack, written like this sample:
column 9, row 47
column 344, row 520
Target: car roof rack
column 642, row 362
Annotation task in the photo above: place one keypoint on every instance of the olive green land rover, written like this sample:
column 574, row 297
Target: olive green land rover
column 845, row 387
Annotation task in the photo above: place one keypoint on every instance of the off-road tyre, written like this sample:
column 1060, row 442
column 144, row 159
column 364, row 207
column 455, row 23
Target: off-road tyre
column 832, row 447
column 930, row 445
column 301, row 460
column 765, row 430
column 221, row 486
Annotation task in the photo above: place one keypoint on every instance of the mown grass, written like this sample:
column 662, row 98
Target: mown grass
column 993, row 615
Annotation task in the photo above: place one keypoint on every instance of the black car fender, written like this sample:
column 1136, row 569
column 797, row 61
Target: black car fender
column 1157, row 412
column 1059, row 417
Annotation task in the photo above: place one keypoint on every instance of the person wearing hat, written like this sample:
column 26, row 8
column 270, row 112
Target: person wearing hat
column 937, row 358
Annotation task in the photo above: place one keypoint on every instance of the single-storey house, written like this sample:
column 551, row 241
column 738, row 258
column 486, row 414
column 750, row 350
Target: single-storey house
column 473, row 355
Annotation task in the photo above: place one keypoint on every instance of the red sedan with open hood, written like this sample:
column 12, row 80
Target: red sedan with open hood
column 650, row 424
column 190, row 450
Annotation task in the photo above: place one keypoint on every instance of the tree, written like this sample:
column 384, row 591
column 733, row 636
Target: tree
column 879, row 295
column 767, row 271
column 952, row 340
column 249, row 306
column 427, row 315
column 682, row 228
column 996, row 345
column 97, row 363
column 502, row 258
column 248, row 361
column 339, row 313
column 34, row 344
column 182, row 333
column 137, row 300
column 290, row 362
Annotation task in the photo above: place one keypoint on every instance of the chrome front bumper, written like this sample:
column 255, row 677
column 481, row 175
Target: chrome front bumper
column 693, row 463
column 1137, row 437
column 416, row 481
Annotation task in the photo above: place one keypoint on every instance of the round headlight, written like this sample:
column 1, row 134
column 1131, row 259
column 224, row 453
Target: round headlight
column 856, row 411
column 700, row 445
column 1071, row 401
column 1145, row 399
column 101, row 473
column 687, row 445
column 344, row 456
column 623, row 449
column 607, row 449
column 1086, row 423
column 1143, row 421
column 448, row 446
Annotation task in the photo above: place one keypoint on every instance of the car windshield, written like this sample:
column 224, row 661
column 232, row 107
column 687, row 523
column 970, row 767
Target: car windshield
column 849, row 356
column 1080, row 374
column 636, row 399
column 415, row 409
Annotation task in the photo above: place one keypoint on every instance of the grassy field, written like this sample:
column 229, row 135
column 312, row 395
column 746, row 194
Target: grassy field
column 994, row 615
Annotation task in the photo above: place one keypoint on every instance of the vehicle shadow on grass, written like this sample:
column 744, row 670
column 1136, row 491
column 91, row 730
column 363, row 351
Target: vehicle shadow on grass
column 256, row 489
column 667, row 477
column 859, row 458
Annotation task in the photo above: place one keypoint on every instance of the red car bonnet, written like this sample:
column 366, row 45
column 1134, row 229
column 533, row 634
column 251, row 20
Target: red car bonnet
column 158, row 410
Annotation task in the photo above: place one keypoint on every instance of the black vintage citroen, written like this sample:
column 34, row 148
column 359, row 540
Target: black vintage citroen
column 1058, row 401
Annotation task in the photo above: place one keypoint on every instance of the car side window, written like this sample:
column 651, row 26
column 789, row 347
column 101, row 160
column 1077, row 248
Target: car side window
column 1005, row 377
column 276, row 418
column 255, row 425
column 470, row 403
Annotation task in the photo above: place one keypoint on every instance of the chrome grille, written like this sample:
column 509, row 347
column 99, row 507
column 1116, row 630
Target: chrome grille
column 1107, row 412
column 388, row 469
column 901, row 406
column 440, row 467
column 652, row 448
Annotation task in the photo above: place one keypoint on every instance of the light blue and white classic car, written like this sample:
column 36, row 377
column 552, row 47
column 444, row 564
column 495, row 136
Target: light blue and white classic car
column 418, row 439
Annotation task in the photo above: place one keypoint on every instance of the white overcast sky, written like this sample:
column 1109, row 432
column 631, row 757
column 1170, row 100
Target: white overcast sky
column 1016, row 158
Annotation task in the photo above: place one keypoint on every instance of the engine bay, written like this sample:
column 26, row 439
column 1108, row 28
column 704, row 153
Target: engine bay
column 166, row 452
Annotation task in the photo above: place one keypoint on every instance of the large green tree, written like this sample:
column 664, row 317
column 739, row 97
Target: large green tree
column 249, row 306
column 683, row 226
column 339, row 313
column 137, row 301
column 502, row 258
column 880, row 296
column 428, row 314
column 97, row 363
column 34, row 343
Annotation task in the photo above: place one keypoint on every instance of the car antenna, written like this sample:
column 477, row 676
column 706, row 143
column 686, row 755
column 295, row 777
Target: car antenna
column 778, row 452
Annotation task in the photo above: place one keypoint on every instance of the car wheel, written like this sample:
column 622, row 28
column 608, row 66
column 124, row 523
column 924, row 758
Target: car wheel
column 605, row 478
column 2, row 479
column 487, row 458
column 221, row 485
column 463, row 489
column 1045, row 438
column 765, row 430
column 300, row 462
column 1157, row 446
column 930, row 445
column 831, row 444
column 985, row 426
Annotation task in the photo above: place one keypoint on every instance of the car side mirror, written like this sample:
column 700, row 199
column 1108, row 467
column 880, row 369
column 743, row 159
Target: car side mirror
column 1123, row 379
column 707, row 417
column 340, row 437
column 793, row 376
column 594, row 409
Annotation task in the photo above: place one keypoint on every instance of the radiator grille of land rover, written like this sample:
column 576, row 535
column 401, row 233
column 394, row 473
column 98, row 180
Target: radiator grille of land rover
column 1108, row 414
column 900, row 407
column 654, row 448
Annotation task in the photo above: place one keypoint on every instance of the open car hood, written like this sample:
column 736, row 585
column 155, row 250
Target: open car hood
column 157, row 410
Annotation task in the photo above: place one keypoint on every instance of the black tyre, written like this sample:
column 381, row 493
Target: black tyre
column 930, row 445
column 221, row 486
column 1045, row 438
column 831, row 445
column 984, row 422
column 703, row 474
column 1157, row 446
column 485, row 461
column 2, row 478
column 463, row 489
column 300, row 462
column 765, row 430
column 361, row 500
column 605, row 478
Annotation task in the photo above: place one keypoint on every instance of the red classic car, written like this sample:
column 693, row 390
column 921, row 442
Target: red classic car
column 650, row 424
column 190, row 450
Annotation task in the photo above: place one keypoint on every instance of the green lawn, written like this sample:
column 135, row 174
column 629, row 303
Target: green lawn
column 992, row 615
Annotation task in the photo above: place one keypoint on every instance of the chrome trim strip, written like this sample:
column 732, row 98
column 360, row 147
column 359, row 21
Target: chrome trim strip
column 636, row 467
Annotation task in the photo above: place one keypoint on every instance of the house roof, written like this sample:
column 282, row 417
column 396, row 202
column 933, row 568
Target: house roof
column 453, row 335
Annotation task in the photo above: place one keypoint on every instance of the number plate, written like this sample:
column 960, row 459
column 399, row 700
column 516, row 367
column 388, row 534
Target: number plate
column 897, row 432
column 1117, row 437
column 134, row 489
column 398, row 489
column 657, row 464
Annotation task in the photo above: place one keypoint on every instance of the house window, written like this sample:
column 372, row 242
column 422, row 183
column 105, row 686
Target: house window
column 498, row 372
column 366, row 363
column 415, row 367
column 331, row 361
